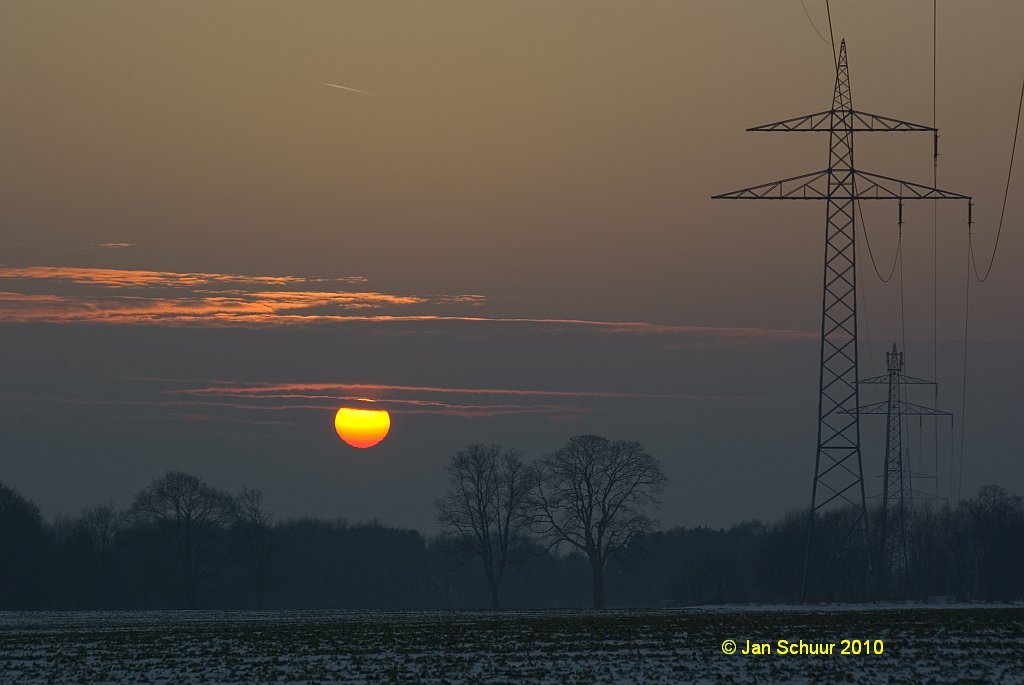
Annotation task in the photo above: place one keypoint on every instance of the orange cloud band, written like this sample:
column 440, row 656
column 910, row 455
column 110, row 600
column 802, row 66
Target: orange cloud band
column 248, row 303
column 125, row 278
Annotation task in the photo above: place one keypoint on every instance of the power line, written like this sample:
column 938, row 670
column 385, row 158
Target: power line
column 867, row 241
column 863, row 291
column 972, row 265
column 813, row 26
column 832, row 35
column 862, row 299
column 1006, row 193
column 935, row 241
column 903, row 315
column 963, row 386
column 862, row 304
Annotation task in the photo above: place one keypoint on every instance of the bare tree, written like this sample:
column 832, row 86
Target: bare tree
column 193, row 515
column 484, row 509
column 23, row 548
column 592, row 494
column 100, row 527
column 254, row 534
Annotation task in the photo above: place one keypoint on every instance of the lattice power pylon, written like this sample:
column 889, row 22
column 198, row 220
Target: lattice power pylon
column 838, row 473
column 893, row 569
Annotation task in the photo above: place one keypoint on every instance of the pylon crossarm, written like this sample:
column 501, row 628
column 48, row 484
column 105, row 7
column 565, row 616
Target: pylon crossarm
column 812, row 186
column 911, row 380
column 877, row 187
column 905, row 380
column 819, row 121
column 904, row 407
column 822, row 121
column 921, row 410
column 865, row 121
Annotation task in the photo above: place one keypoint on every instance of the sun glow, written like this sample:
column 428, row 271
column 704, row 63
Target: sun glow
column 362, row 427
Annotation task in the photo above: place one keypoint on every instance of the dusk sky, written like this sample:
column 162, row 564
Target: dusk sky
column 501, row 229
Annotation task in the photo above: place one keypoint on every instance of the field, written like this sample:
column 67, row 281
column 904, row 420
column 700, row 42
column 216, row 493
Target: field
column 963, row 644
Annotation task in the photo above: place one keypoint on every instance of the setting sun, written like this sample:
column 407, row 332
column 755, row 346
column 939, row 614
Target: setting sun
column 362, row 427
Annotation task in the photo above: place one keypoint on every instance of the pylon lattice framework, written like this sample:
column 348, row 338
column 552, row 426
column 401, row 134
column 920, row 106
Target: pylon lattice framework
column 893, row 560
column 838, row 471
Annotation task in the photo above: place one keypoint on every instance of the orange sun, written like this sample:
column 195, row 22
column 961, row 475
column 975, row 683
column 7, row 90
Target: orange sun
column 362, row 427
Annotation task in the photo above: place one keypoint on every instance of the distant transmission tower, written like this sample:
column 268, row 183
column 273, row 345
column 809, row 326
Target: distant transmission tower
column 893, row 569
column 838, row 474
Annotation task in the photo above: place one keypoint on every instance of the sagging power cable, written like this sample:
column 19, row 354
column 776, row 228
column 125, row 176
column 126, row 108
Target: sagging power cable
column 1006, row 194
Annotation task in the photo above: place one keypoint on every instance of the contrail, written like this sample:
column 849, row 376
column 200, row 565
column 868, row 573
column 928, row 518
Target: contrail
column 354, row 90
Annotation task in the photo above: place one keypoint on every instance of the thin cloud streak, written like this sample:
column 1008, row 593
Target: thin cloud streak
column 299, row 391
column 197, row 299
column 274, row 309
column 234, row 403
column 385, row 392
column 251, row 309
column 103, row 246
column 138, row 278
column 393, row 406
column 97, row 410
column 416, row 405
column 422, row 399
column 215, row 411
column 351, row 90
column 627, row 326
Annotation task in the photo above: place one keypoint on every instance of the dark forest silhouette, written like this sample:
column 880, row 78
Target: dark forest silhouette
column 185, row 544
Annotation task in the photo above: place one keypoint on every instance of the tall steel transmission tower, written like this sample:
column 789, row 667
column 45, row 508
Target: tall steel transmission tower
column 893, row 565
column 838, row 472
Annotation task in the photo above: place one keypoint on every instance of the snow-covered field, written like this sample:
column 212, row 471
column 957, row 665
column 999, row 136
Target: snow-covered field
column 954, row 644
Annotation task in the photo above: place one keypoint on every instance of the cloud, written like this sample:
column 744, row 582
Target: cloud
column 105, row 246
column 252, row 309
column 114, row 246
column 394, row 406
column 51, row 294
column 58, row 294
column 286, row 405
column 137, row 278
column 337, row 390
column 422, row 399
column 229, row 406
column 620, row 326
column 351, row 90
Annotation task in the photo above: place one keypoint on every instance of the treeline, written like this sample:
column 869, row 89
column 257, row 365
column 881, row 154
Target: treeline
column 229, row 552
column 184, row 544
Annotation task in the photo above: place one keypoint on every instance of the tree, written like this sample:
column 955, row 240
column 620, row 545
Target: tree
column 592, row 494
column 191, row 515
column 23, row 550
column 254, row 535
column 993, row 520
column 99, row 528
column 484, row 510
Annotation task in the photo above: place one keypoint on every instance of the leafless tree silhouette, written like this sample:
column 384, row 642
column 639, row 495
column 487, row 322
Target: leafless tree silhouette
column 592, row 494
column 484, row 510
column 100, row 526
column 254, row 535
column 192, row 515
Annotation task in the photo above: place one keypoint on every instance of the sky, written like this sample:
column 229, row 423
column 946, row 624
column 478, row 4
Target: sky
column 500, row 228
